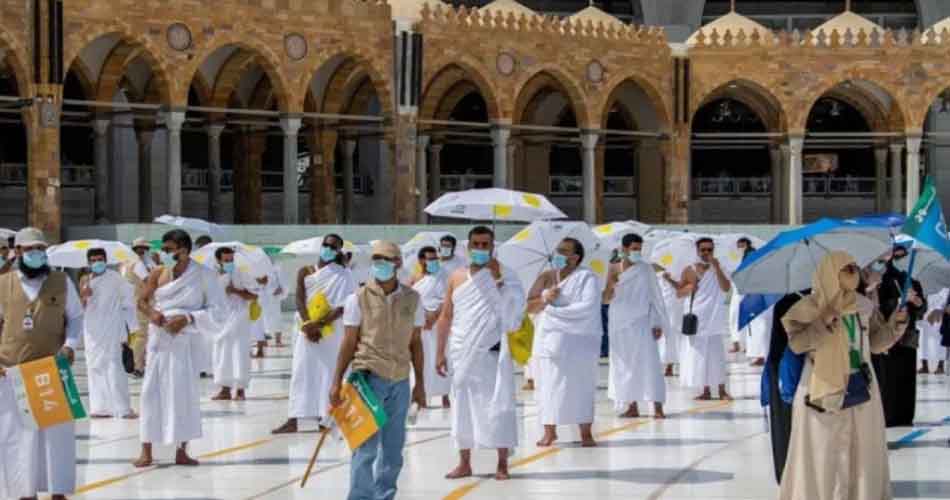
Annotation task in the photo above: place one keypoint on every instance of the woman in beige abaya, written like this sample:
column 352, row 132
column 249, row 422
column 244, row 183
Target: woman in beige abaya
column 837, row 453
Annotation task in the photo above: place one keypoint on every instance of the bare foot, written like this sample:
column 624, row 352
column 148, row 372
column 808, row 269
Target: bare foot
column 100, row 415
column 735, row 348
column 502, row 474
column 445, row 403
column 546, row 441
column 58, row 497
column 528, row 385
column 658, row 411
column 704, row 397
column 757, row 362
column 588, row 442
column 723, row 395
column 182, row 458
column 130, row 416
column 630, row 413
column 289, row 427
column 224, row 395
column 669, row 371
column 939, row 371
column 923, row 371
column 143, row 461
column 240, row 395
column 460, row 472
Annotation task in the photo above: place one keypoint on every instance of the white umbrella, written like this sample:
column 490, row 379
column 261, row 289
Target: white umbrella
column 421, row 240
column 494, row 204
column 72, row 254
column 312, row 246
column 248, row 259
column 675, row 253
column 6, row 233
column 611, row 234
column 728, row 253
column 529, row 252
column 197, row 225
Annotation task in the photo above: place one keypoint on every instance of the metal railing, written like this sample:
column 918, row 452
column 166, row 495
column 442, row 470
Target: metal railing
column 15, row 174
column 762, row 186
column 572, row 185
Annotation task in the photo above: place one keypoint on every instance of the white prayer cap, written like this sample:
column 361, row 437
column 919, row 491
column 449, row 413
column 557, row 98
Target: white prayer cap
column 140, row 242
column 29, row 236
column 386, row 249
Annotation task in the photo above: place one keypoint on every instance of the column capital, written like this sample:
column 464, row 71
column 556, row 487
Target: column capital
column 896, row 147
column 290, row 125
column 214, row 130
column 173, row 120
column 436, row 147
column 796, row 143
column 589, row 140
column 500, row 135
column 101, row 126
column 913, row 143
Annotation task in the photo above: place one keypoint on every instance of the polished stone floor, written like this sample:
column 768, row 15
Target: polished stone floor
column 703, row 451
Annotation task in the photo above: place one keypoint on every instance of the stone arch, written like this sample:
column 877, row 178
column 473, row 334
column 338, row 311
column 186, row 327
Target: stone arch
column 550, row 77
column 453, row 82
column 861, row 89
column 250, row 52
column 131, row 46
column 85, row 78
column 758, row 98
column 202, row 88
column 617, row 85
column 351, row 64
column 15, row 59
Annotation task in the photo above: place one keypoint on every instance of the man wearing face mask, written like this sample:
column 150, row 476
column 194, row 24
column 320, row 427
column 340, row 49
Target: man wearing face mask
column 109, row 303
column 182, row 299
column 449, row 261
column 232, row 366
column 41, row 315
column 136, row 272
column 315, row 351
column 703, row 289
column 567, row 299
column 637, row 320
column 897, row 368
column 482, row 304
column 431, row 286
column 383, row 322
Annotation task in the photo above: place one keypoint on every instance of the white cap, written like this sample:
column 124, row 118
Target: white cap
column 30, row 236
column 141, row 242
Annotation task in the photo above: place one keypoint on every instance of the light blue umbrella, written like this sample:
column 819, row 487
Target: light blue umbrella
column 786, row 264
column 755, row 304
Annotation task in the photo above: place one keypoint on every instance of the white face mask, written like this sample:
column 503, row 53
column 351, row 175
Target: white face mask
column 445, row 252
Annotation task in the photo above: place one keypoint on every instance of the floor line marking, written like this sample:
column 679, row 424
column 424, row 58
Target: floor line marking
column 463, row 490
column 917, row 434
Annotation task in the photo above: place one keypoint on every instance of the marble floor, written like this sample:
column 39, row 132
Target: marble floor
column 703, row 451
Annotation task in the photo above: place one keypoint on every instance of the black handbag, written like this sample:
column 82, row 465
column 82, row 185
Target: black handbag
column 690, row 320
column 945, row 326
column 128, row 359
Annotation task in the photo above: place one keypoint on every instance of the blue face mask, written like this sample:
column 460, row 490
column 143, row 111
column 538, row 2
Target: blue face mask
column 168, row 259
column 227, row 267
column 383, row 270
column 634, row 257
column 98, row 267
column 432, row 266
column 480, row 257
column 327, row 254
column 559, row 261
column 34, row 259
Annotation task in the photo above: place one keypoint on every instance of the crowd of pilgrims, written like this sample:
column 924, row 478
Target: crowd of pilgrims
column 171, row 321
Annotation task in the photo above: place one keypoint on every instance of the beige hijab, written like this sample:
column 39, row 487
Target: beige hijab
column 829, row 376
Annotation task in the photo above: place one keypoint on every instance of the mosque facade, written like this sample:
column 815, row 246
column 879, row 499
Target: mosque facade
column 361, row 111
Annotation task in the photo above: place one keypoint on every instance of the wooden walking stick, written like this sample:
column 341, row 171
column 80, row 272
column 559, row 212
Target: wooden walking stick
column 313, row 459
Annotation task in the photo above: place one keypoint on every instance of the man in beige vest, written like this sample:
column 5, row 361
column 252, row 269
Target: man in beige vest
column 383, row 322
column 136, row 272
column 41, row 316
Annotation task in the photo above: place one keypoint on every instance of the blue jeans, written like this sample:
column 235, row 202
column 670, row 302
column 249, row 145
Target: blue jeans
column 376, row 465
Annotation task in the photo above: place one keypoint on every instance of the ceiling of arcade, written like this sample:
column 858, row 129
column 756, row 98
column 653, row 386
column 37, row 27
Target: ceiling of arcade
column 342, row 59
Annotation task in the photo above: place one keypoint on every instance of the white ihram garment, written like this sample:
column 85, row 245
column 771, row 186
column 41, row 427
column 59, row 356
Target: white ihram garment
column 232, row 363
column 568, row 347
column 105, row 328
column 635, row 372
column 314, row 362
column 431, row 290
column 483, row 386
column 670, row 343
column 170, row 400
column 930, row 348
column 273, row 322
column 704, row 354
column 34, row 461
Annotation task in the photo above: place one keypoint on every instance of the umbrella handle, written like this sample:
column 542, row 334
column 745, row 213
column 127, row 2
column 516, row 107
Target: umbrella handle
column 908, row 282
